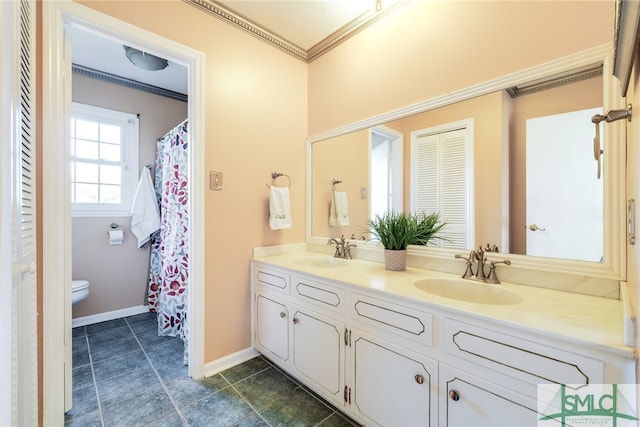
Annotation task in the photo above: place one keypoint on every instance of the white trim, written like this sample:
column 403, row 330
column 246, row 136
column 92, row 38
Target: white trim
column 109, row 315
column 7, row 393
column 219, row 365
column 56, row 262
column 615, row 186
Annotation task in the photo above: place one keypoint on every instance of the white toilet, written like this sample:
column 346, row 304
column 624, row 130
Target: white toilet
column 79, row 291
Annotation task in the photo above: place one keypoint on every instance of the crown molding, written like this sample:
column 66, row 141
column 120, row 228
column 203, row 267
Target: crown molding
column 216, row 9
column 123, row 81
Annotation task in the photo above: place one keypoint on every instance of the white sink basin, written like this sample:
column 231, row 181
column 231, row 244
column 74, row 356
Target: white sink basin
column 469, row 291
column 321, row 262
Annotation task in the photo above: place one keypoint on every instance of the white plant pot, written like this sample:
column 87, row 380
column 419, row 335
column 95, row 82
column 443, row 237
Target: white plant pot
column 395, row 260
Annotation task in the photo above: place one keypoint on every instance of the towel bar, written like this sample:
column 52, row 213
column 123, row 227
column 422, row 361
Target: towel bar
column 275, row 175
column 335, row 182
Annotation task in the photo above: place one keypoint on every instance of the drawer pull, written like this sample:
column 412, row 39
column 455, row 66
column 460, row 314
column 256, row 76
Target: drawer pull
column 283, row 314
column 295, row 320
column 419, row 379
column 453, row 395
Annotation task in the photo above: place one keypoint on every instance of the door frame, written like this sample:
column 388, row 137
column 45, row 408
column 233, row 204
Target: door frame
column 396, row 166
column 56, row 218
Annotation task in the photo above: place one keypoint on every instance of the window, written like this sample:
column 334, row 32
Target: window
column 104, row 161
column 441, row 177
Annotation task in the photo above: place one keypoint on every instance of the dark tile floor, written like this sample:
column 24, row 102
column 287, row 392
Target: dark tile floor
column 125, row 375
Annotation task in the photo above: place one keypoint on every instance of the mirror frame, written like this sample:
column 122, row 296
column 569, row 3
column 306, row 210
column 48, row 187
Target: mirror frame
column 614, row 265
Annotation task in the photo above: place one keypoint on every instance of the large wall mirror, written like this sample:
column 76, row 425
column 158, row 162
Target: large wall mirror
column 523, row 168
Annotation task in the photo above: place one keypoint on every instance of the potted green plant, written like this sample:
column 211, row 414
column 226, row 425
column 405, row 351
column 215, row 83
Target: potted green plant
column 397, row 230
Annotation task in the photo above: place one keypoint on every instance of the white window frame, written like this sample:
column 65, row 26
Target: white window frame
column 130, row 136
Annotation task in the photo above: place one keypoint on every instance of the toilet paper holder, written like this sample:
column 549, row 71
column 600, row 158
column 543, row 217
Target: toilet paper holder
column 116, row 236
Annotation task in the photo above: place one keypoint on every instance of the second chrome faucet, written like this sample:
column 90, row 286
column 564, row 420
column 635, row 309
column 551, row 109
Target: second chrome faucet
column 343, row 248
column 478, row 257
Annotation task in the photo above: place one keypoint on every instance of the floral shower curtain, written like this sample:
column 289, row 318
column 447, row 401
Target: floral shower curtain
column 169, row 267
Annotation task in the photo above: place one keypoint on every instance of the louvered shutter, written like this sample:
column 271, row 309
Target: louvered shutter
column 440, row 169
column 427, row 195
column 19, row 66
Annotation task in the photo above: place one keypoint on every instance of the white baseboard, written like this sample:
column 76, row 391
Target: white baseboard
column 219, row 365
column 109, row 315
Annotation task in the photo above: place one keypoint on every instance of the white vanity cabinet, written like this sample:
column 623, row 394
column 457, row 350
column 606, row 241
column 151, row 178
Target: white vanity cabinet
column 392, row 385
column 318, row 351
column 468, row 400
column 303, row 333
column 390, row 360
column 271, row 327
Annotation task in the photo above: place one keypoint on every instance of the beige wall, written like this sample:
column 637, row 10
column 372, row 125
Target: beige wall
column 430, row 48
column 345, row 158
column 118, row 274
column 256, row 123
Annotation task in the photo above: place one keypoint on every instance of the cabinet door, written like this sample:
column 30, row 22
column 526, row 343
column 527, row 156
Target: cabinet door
column 318, row 351
column 392, row 386
column 272, row 327
column 468, row 400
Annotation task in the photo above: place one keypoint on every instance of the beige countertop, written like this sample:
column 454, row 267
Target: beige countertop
column 570, row 317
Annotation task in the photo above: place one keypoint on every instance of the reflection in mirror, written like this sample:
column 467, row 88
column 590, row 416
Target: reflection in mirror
column 499, row 183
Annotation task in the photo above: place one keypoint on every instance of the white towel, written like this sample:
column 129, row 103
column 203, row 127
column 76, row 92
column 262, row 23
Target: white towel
column 279, row 208
column 145, row 219
column 339, row 212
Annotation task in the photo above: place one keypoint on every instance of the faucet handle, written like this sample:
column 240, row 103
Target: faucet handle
column 468, row 259
column 468, row 272
column 493, row 277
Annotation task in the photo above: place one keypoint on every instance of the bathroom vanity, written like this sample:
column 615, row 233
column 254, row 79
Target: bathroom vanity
column 393, row 348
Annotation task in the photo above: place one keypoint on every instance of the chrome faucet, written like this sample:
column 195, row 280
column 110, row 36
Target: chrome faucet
column 478, row 256
column 343, row 248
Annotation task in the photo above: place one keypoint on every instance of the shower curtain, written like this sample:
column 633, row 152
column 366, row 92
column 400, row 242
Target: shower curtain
column 169, row 266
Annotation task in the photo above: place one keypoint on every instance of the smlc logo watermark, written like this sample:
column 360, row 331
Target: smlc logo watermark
column 610, row 405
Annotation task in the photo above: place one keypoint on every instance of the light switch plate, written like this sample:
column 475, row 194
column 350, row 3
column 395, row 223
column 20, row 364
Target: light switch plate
column 215, row 180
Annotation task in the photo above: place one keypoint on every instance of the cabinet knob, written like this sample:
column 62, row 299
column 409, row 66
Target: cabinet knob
column 419, row 379
column 453, row 395
column 283, row 314
column 295, row 320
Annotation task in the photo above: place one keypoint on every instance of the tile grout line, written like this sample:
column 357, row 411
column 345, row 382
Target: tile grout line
column 164, row 387
column 247, row 402
column 93, row 374
column 304, row 388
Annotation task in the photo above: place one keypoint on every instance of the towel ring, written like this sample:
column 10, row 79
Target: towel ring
column 335, row 182
column 275, row 175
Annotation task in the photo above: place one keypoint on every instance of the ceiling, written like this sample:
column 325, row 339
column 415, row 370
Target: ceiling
column 303, row 28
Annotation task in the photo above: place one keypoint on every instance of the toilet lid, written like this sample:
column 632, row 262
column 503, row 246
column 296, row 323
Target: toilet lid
column 77, row 285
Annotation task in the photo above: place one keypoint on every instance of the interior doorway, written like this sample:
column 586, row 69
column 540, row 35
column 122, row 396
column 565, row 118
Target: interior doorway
column 56, row 209
column 385, row 170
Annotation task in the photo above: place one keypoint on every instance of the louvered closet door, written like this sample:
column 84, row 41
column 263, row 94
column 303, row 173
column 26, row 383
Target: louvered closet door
column 21, row 72
column 441, row 182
